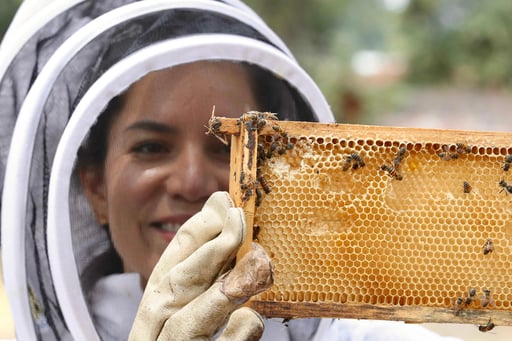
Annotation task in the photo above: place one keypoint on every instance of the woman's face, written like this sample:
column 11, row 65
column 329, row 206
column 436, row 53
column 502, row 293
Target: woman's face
column 160, row 165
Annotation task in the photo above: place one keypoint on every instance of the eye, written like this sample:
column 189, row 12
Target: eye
column 149, row 148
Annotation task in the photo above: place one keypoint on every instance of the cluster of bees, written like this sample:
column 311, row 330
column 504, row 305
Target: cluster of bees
column 355, row 161
column 393, row 169
column 471, row 299
column 486, row 299
column 502, row 183
column 463, row 302
column 266, row 147
column 460, row 149
column 506, row 166
column 488, row 247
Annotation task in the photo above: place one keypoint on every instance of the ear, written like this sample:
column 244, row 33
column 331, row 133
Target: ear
column 94, row 187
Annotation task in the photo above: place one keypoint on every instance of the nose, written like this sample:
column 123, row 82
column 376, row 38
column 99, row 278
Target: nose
column 194, row 177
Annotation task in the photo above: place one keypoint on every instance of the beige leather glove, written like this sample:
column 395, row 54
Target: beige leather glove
column 189, row 297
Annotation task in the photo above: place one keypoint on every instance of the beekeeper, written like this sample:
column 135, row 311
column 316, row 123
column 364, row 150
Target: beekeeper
column 116, row 222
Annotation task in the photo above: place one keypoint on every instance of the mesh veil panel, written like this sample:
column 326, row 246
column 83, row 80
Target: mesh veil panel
column 14, row 86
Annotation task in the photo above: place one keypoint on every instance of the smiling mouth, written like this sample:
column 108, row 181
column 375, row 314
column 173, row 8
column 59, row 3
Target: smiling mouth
column 167, row 227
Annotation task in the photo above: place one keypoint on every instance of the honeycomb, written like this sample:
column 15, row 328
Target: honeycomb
column 377, row 222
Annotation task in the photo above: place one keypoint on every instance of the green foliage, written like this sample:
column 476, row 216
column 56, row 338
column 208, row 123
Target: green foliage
column 466, row 42
column 6, row 14
column 486, row 45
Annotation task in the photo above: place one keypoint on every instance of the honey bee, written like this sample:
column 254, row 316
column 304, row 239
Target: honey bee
column 392, row 172
column 249, row 125
column 467, row 187
column 278, row 142
column 261, row 123
column 486, row 299
column 261, row 153
column 462, row 148
column 273, row 147
column 259, row 197
column 347, row 164
column 399, row 157
column 488, row 247
column 486, row 327
column 213, row 128
column 505, row 186
column 459, row 305
column 264, row 184
column 445, row 156
column 247, row 194
column 471, row 296
column 507, row 162
column 353, row 160
column 257, row 115
column 357, row 161
column 401, row 152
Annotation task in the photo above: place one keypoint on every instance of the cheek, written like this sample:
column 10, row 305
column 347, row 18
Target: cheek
column 219, row 175
column 130, row 190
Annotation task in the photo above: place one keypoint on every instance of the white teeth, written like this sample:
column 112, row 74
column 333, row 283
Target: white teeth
column 170, row 227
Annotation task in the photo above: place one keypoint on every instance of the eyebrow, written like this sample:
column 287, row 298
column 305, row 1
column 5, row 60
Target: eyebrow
column 151, row 126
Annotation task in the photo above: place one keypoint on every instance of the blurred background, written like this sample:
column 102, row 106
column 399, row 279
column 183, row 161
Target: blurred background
column 436, row 63
column 419, row 63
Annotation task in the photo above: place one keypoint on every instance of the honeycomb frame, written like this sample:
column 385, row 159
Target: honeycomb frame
column 374, row 222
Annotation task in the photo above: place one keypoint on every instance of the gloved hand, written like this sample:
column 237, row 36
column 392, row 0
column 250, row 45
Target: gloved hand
column 190, row 295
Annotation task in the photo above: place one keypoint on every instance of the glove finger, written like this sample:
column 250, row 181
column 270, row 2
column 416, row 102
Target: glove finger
column 199, row 319
column 204, row 315
column 252, row 274
column 196, row 273
column 244, row 324
column 199, row 229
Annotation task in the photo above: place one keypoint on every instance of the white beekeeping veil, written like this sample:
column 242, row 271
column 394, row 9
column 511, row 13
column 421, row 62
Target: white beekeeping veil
column 56, row 77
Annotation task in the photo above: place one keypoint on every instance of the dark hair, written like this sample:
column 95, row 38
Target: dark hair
column 272, row 93
column 93, row 152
